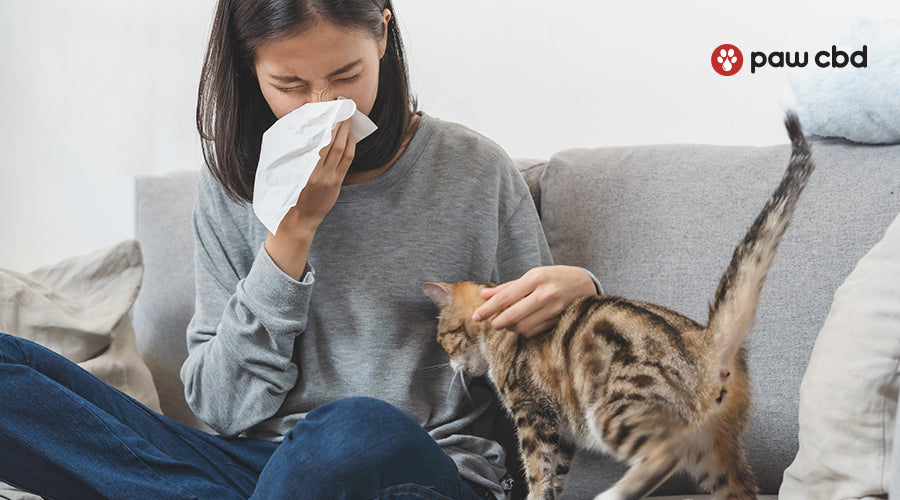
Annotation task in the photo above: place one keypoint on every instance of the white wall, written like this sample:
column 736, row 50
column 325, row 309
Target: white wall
column 94, row 92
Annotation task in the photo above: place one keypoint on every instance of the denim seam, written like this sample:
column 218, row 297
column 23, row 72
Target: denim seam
column 133, row 454
column 18, row 345
column 411, row 490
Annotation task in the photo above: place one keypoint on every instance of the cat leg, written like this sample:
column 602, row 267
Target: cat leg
column 648, row 470
column 734, row 480
column 539, row 442
column 644, row 435
column 564, row 456
column 720, row 467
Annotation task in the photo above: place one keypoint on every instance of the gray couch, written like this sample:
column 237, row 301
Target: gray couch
column 654, row 223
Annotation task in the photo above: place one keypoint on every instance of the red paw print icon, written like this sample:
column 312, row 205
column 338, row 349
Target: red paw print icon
column 727, row 59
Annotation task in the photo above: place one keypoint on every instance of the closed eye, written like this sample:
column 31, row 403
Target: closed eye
column 455, row 331
column 350, row 80
column 452, row 338
column 288, row 90
column 302, row 88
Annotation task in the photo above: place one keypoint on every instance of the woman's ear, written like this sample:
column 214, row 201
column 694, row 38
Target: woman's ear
column 382, row 44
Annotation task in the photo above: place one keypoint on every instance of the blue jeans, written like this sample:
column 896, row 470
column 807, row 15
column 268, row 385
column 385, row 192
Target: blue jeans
column 66, row 434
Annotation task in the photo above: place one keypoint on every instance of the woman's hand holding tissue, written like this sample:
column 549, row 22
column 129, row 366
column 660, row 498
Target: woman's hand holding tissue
column 290, row 248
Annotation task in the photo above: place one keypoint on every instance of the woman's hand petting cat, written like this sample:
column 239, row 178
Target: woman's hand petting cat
column 531, row 305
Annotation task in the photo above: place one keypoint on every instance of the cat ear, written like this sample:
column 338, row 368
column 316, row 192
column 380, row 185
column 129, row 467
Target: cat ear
column 440, row 293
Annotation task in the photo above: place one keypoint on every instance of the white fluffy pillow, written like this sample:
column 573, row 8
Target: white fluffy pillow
column 848, row 398
column 79, row 309
column 859, row 104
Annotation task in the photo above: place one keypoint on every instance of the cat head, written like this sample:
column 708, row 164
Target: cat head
column 461, row 337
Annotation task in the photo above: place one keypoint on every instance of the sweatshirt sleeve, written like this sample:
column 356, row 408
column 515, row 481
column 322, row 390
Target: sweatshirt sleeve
column 522, row 244
column 247, row 316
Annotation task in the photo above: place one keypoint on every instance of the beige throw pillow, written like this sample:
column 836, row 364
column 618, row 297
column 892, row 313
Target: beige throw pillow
column 8, row 492
column 79, row 308
column 848, row 398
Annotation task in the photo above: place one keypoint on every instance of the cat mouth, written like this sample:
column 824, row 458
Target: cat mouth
column 470, row 372
column 461, row 369
column 469, row 366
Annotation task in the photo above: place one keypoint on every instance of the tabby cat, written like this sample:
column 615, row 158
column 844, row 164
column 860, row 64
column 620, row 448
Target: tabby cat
column 642, row 382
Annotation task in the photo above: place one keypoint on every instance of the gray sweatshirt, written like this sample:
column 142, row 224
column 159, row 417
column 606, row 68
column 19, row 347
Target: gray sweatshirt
column 265, row 349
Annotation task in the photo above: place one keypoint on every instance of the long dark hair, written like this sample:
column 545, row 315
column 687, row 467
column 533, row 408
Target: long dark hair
column 231, row 111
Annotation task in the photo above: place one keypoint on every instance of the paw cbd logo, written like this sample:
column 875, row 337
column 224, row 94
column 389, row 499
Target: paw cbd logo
column 727, row 59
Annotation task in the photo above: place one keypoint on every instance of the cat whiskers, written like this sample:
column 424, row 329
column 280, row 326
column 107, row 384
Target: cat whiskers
column 465, row 388
column 450, row 390
column 435, row 367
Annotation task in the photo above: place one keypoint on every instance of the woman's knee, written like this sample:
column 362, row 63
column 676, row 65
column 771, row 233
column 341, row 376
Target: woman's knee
column 367, row 443
column 362, row 415
column 362, row 427
column 10, row 349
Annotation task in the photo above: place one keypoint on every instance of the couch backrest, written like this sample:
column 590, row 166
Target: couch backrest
column 659, row 224
column 654, row 223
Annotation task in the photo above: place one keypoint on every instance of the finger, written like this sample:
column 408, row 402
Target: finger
column 487, row 293
column 323, row 153
column 338, row 145
column 517, row 312
column 529, row 322
column 545, row 302
column 510, row 293
column 349, row 154
column 541, row 328
column 537, row 321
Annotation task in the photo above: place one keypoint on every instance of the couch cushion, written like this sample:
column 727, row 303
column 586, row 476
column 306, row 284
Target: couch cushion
column 659, row 224
column 166, row 301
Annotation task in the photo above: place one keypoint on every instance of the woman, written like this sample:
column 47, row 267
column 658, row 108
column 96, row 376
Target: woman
column 312, row 353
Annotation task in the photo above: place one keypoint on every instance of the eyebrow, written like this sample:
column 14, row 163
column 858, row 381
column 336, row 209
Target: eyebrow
column 295, row 79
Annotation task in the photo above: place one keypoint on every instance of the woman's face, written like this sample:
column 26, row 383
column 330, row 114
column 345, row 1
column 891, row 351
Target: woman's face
column 321, row 64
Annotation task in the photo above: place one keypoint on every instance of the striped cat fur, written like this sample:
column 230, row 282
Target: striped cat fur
column 641, row 382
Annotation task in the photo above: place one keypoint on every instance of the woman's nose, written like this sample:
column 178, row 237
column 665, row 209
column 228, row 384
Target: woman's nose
column 321, row 95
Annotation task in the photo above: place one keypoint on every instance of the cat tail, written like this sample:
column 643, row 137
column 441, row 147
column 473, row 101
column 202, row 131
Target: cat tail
column 731, row 315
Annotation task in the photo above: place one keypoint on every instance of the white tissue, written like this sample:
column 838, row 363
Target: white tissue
column 290, row 151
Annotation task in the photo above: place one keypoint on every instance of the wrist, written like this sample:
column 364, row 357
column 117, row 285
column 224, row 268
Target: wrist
column 297, row 225
column 289, row 250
